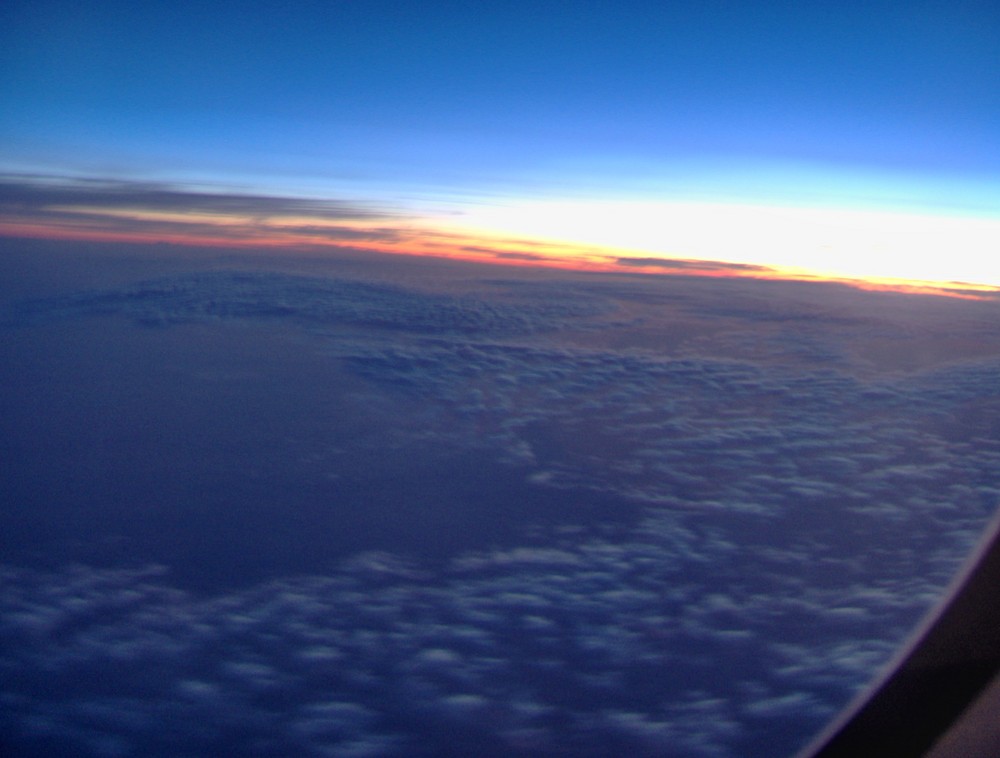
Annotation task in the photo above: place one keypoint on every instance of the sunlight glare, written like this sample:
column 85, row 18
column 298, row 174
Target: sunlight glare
column 824, row 241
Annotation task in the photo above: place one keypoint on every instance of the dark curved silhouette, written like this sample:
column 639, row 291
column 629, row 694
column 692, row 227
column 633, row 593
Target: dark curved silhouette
column 942, row 696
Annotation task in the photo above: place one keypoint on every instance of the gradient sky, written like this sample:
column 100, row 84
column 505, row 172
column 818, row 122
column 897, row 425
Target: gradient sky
column 844, row 138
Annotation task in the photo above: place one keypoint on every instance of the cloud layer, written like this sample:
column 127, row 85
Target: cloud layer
column 37, row 194
column 795, row 509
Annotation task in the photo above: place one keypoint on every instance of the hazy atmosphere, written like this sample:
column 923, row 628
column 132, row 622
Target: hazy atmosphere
column 448, row 379
column 847, row 140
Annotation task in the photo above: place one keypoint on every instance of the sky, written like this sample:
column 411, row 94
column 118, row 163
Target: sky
column 832, row 139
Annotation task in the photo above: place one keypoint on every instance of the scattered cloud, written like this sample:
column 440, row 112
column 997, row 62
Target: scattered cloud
column 791, row 520
column 307, row 301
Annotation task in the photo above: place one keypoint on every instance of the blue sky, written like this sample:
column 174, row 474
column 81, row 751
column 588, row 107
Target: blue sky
column 451, row 108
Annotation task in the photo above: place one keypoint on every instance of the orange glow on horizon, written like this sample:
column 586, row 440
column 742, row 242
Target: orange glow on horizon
column 219, row 230
column 829, row 242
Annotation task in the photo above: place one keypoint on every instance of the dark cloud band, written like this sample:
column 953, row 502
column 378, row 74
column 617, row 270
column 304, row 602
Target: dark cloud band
column 30, row 194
